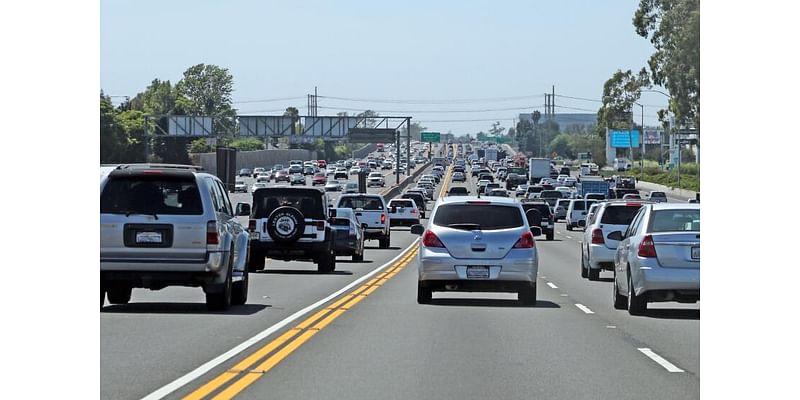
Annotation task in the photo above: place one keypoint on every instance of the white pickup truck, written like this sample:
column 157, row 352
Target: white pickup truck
column 372, row 213
column 375, row 179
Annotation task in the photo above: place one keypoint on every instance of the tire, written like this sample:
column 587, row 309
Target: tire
column 569, row 227
column 239, row 293
column 620, row 302
column 358, row 257
column 327, row 262
column 255, row 262
column 584, row 274
column 594, row 274
column 102, row 294
column 286, row 224
column 384, row 242
column 221, row 300
column 119, row 295
column 424, row 295
column 637, row 305
column 550, row 235
column 527, row 296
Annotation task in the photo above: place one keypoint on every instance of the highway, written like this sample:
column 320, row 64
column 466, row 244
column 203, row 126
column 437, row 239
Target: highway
column 359, row 333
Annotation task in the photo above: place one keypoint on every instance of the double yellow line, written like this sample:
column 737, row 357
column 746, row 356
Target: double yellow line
column 292, row 339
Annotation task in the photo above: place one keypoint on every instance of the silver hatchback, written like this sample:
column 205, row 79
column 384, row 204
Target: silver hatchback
column 658, row 257
column 477, row 245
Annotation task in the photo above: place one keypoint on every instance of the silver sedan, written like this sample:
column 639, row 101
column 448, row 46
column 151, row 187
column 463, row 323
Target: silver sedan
column 477, row 245
column 658, row 257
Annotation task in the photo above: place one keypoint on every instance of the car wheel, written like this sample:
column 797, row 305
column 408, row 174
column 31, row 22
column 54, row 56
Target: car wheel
column 550, row 235
column 102, row 294
column 569, row 226
column 256, row 261
column 119, row 295
column 594, row 274
column 637, row 305
column 384, row 242
column 424, row 295
column 221, row 299
column 527, row 296
column 358, row 257
column 619, row 300
column 327, row 262
column 584, row 274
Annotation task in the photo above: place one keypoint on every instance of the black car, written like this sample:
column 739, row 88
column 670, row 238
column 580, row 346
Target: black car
column 564, row 171
column 245, row 172
column 308, row 171
column 458, row 191
column 537, row 210
column 419, row 200
column 297, row 179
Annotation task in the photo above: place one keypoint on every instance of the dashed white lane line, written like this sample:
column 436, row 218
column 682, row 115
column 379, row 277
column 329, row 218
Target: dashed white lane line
column 552, row 285
column 584, row 308
column 660, row 360
column 568, row 237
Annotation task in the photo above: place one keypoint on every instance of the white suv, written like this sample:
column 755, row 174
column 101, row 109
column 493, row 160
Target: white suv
column 372, row 213
column 597, row 249
column 375, row 179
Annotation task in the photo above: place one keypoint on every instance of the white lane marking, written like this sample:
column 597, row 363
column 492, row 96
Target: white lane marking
column 584, row 308
column 568, row 237
column 552, row 285
column 563, row 295
column 660, row 360
column 201, row 370
column 611, row 326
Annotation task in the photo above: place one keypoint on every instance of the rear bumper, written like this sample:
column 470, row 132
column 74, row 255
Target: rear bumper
column 653, row 278
column 601, row 257
column 403, row 221
column 213, row 262
column 440, row 266
column 158, row 274
column 290, row 251
column 375, row 233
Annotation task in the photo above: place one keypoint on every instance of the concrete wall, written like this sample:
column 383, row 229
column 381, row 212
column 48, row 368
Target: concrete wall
column 364, row 151
column 252, row 159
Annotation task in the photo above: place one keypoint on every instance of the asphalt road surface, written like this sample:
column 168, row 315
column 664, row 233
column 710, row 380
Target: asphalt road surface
column 359, row 333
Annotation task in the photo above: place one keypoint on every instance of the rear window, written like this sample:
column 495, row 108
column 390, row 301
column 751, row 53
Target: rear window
column 341, row 222
column 551, row 194
column 675, row 221
column 151, row 195
column 578, row 205
column 309, row 203
column 401, row 203
column 658, row 194
column 365, row 203
column 484, row 217
column 619, row 215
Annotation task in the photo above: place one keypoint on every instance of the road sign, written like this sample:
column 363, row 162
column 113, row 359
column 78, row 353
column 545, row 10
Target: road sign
column 622, row 139
column 371, row 135
column 652, row 136
column 432, row 137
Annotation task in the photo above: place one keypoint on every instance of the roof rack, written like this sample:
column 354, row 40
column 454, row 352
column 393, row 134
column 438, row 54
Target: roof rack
column 162, row 166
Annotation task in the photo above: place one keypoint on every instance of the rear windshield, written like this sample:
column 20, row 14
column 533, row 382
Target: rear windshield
column 458, row 189
column 309, row 203
column 551, row 194
column 657, row 194
column 483, row 217
column 675, row 221
column 417, row 199
column 365, row 203
column 578, row 205
column 619, row 215
column 401, row 203
column 151, row 195
column 341, row 222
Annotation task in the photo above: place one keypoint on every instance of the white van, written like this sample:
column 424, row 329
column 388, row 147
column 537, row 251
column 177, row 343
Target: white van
column 577, row 212
column 622, row 164
column 585, row 169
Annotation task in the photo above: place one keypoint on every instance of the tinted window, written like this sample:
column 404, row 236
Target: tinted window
column 401, row 203
column 619, row 215
column 675, row 220
column 417, row 199
column 483, row 217
column 309, row 203
column 341, row 222
column 151, row 195
column 365, row 203
column 657, row 194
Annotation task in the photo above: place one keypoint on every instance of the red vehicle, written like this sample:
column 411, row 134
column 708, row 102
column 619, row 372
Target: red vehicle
column 282, row 175
column 322, row 163
column 380, row 147
column 319, row 179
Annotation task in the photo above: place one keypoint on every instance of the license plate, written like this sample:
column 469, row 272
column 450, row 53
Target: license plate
column 477, row 272
column 695, row 253
column 148, row 237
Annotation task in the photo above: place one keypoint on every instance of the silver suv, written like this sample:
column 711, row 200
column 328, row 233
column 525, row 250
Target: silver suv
column 170, row 225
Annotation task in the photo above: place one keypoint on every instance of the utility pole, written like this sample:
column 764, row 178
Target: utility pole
column 641, row 135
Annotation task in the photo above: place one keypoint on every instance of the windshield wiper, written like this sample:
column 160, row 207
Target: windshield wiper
column 128, row 213
column 465, row 226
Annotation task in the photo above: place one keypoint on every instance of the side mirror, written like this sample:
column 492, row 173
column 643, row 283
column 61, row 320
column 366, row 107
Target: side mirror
column 364, row 226
column 417, row 229
column 582, row 223
column 332, row 213
column 242, row 209
column 536, row 231
column 616, row 235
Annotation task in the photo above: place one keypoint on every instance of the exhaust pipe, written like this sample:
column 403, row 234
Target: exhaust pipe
column 451, row 286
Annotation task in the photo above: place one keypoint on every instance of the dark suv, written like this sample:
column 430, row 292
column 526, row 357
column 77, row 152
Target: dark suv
column 545, row 217
column 288, row 223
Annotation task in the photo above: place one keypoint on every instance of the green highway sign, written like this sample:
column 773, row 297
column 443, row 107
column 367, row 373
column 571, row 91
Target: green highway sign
column 433, row 137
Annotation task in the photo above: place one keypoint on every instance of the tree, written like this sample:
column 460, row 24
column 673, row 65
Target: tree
column 496, row 130
column 200, row 146
column 562, row 145
column 206, row 90
column 247, row 144
column 416, row 130
column 673, row 27
column 369, row 117
column 619, row 93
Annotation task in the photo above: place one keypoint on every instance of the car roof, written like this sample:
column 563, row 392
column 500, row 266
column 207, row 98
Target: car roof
column 464, row 199
column 674, row 206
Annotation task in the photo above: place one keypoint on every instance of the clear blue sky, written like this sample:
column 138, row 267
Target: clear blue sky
column 399, row 50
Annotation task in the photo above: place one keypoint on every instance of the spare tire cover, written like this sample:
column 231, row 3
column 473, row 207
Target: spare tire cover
column 534, row 217
column 286, row 224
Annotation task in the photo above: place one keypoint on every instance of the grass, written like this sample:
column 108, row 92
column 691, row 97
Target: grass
column 690, row 175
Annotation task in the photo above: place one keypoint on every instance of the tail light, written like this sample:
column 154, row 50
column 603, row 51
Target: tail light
column 429, row 239
column 251, row 226
column 647, row 248
column 383, row 218
column 597, row 236
column 212, row 235
column 413, row 211
column 320, row 225
column 525, row 241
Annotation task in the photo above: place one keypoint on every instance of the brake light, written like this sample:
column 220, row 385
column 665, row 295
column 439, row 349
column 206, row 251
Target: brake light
column 597, row 236
column 320, row 225
column 647, row 248
column 383, row 218
column 413, row 211
column 251, row 226
column 212, row 236
column 525, row 241
column 429, row 239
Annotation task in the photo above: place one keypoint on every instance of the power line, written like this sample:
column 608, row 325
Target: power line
column 430, row 111
column 268, row 100
column 600, row 101
column 432, row 101
column 465, row 120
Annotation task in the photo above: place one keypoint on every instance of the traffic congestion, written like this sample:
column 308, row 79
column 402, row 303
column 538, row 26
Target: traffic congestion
column 461, row 233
